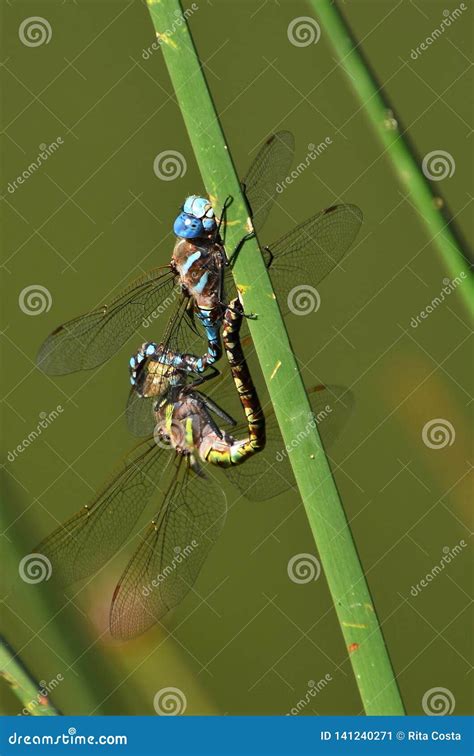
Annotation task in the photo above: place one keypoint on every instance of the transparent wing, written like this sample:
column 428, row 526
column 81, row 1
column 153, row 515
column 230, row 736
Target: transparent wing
column 181, row 336
column 90, row 339
column 307, row 254
column 167, row 562
column 270, row 167
column 139, row 414
column 269, row 473
column 85, row 542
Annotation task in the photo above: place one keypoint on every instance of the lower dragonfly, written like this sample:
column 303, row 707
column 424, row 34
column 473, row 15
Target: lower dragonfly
column 176, row 462
column 198, row 273
column 192, row 510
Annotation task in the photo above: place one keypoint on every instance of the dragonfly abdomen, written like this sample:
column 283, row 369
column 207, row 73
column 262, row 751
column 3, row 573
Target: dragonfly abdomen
column 239, row 450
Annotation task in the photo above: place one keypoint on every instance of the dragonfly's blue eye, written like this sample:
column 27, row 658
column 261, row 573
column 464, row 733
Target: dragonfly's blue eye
column 199, row 207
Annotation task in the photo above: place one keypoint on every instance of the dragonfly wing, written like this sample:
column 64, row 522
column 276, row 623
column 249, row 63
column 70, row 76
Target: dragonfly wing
column 167, row 562
column 269, row 473
column 85, row 542
column 139, row 414
column 270, row 168
column 181, row 336
column 89, row 340
column 306, row 255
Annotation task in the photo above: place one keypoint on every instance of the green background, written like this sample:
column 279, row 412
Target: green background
column 95, row 215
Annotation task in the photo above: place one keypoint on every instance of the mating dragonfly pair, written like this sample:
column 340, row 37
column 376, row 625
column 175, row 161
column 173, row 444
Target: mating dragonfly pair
column 181, row 426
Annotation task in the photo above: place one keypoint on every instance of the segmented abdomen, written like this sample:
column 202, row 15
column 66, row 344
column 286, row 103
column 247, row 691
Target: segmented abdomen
column 239, row 451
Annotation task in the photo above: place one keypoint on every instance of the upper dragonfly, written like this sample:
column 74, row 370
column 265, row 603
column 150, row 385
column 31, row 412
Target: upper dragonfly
column 197, row 270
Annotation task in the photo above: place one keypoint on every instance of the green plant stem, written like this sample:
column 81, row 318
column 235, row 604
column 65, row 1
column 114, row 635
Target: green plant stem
column 342, row 568
column 397, row 148
column 23, row 684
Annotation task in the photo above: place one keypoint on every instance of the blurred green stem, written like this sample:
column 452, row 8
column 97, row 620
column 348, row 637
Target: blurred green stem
column 342, row 568
column 397, row 149
column 35, row 701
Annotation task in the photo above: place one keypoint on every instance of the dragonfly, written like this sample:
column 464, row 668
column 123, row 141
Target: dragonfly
column 177, row 466
column 195, row 281
column 192, row 507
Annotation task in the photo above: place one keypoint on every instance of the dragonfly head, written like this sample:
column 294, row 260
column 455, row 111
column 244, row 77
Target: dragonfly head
column 196, row 218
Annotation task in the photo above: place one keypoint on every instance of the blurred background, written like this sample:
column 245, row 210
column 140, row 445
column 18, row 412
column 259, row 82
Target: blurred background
column 95, row 215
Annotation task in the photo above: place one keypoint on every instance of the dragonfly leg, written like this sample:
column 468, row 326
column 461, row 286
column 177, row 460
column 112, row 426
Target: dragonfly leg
column 227, row 203
column 201, row 378
column 233, row 257
column 208, row 416
column 213, row 407
column 248, row 315
column 269, row 260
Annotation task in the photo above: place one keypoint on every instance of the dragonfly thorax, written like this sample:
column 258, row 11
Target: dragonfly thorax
column 184, row 424
column 200, row 267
